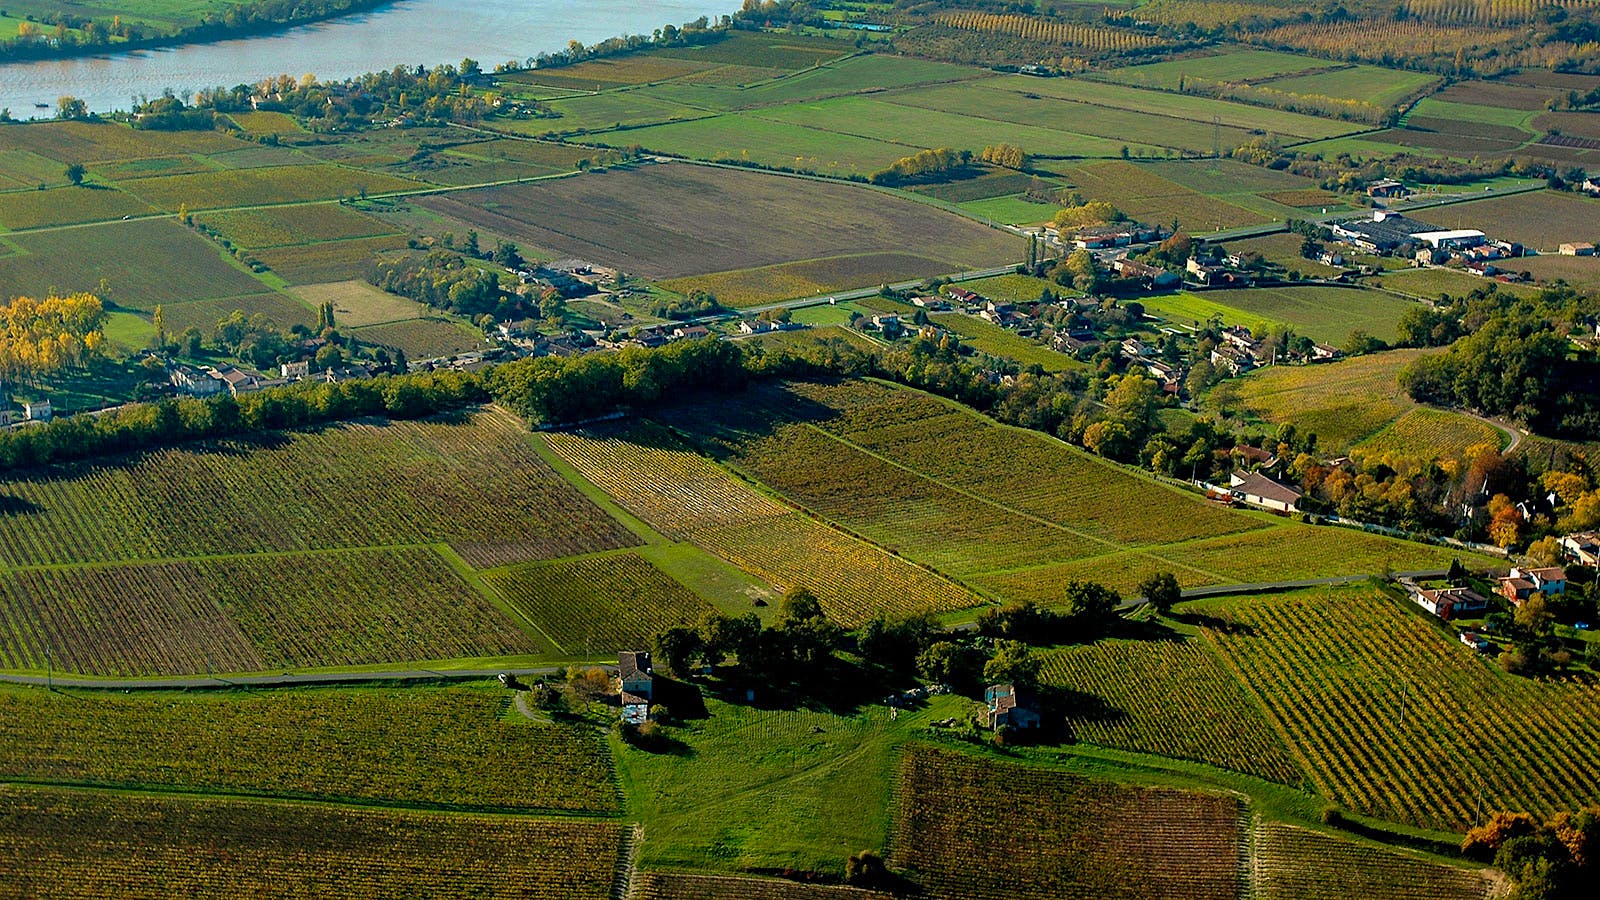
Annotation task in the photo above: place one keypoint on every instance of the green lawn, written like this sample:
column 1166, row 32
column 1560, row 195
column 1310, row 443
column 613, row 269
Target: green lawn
column 743, row 137
column 1325, row 314
column 1237, row 65
column 1365, row 84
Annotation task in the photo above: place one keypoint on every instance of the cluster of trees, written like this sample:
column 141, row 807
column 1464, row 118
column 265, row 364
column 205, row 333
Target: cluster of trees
column 445, row 280
column 699, row 31
column 42, row 337
column 1095, row 212
column 1005, row 156
column 145, row 425
column 571, row 389
column 699, row 302
column 802, row 638
column 71, row 34
column 1510, row 356
column 1554, row 859
column 924, row 165
column 169, row 113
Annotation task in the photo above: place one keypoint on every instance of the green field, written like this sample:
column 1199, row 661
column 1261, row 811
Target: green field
column 1430, row 434
column 986, row 337
column 1233, row 65
column 1434, row 283
column 1326, row 314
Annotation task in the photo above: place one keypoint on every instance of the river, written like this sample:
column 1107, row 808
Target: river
column 409, row 32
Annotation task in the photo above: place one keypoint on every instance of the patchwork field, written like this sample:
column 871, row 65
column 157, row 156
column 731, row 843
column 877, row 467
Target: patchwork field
column 688, row 497
column 1370, row 716
column 750, row 287
column 246, row 187
column 1340, row 402
column 288, row 225
column 68, row 206
column 1147, row 196
column 353, row 745
column 677, row 220
column 1431, row 434
column 357, row 303
column 173, row 265
column 85, row 844
column 1059, row 836
column 1326, row 314
column 247, row 583
column 340, row 260
column 423, row 338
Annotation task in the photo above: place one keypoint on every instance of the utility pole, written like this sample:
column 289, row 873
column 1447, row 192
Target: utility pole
column 49, row 670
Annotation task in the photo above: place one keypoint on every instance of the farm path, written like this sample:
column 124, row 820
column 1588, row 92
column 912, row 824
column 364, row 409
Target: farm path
column 1503, row 428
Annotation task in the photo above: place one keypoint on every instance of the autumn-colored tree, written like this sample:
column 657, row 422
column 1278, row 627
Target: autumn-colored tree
column 41, row 337
column 1482, row 841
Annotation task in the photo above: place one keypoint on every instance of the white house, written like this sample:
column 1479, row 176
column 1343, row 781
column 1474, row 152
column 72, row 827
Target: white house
column 1259, row 490
column 1583, row 547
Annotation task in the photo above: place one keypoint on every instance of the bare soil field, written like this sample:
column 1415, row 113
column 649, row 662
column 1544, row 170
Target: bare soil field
column 671, row 221
column 1542, row 220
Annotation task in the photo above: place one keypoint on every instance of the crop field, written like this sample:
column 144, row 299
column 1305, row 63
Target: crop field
column 994, row 183
column 1300, row 864
column 598, row 604
column 1372, row 714
column 93, row 142
column 600, row 74
column 779, row 51
column 1578, row 271
column 749, row 287
column 172, row 265
column 1434, row 282
column 1283, row 250
column 1430, row 434
column 20, row 168
column 357, row 303
column 744, row 137
column 327, row 261
column 1098, row 108
column 938, row 484
column 67, row 206
column 1364, row 84
column 857, row 74
column 1124, row 699
column 84, row 844
column 247, row 187
column 613, row 110
column 343, row 744
column 490, row 497
column 921, row 128
column 262, row 122
column 284, row 310
column 286, row 225
column 1541, row 220
column 423, row 338
column 679, row 886
column 1149, row 197
column 1326, row 314
column 1341, row 402
column 1060, row 836
column 677, row 220
column 987, row 337
column 1015, row 288
column 146, row 167
column 1232, row 65
column 248, row 613
column 688, row 497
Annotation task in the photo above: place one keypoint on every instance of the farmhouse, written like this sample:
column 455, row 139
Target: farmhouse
column 964, row 296
column 1232, row 359
column 37, row 410
column 888, row 323
column 1325, row 353
column 1521, row 584
column 1072, row 343
column 1011, row 706
column 757, row 326
column 1583, row 547
column 1150, row 276
column 1259, row 490
column 301, row 369
column 1450, row 602
column 1580, row 248
column 932, row 303
column 634, row 673
column 195, row 382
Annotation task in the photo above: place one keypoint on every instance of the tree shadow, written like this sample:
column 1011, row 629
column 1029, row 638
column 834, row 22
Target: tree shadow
column 12, row 505
column 1216, row 623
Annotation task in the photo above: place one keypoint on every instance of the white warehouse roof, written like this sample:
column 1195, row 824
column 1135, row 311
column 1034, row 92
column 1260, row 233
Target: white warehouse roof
column 1438, row 237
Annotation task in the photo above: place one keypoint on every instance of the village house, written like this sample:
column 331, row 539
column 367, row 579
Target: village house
column 757, row 326
column 1133, row 348
column 636, row 685
column 1010, row 706
column 651, row 337
column 1072, row 343
column 1449, row 602
column 1151, row 277
column 301, row 369
column 888, row 323
column 37, row 410
column 1256, row 489
column 1577, row 248
column 1325, row 353
column 1591, row 187
column 1583, row 547
column 690, row 332
column 963, row 296
column 195, row 382
column 1231, row 359
column 1520, row 584
column 1169, row 376
column 934, row 304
